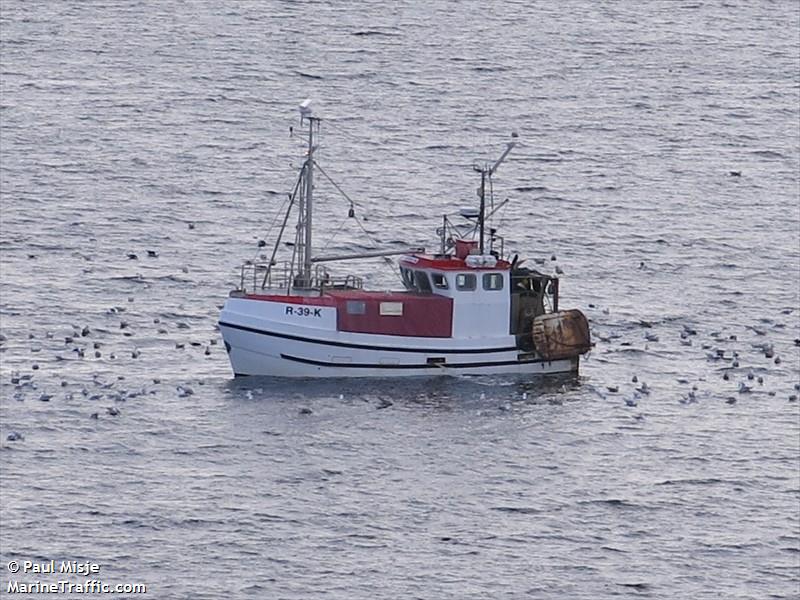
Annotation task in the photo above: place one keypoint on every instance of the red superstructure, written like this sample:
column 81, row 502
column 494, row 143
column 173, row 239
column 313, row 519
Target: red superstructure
column 394, row 313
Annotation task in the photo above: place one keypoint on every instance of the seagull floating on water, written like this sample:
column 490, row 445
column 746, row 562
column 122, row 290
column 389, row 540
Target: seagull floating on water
column 634, row 401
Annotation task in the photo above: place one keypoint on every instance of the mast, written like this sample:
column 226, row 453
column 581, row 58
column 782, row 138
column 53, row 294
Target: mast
column 484, row 171
column 307, row 200
column 482, row 214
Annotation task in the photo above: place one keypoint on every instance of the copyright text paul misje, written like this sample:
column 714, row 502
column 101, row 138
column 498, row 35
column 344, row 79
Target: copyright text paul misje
column 63, row 567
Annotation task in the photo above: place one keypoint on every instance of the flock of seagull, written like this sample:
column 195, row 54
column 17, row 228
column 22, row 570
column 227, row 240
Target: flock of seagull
column 86, row 343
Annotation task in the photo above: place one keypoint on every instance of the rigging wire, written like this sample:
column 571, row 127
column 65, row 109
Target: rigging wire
column 343, row 131
column 335, row 233
column 294, row 252
column 272, row 225
column 375, row 242
column 352, row 213
column 336, row 185
column 352, row 203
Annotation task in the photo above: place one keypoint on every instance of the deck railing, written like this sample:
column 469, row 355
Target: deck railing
column 257, row 277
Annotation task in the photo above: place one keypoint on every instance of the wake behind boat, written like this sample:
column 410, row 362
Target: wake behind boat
column 466, row 309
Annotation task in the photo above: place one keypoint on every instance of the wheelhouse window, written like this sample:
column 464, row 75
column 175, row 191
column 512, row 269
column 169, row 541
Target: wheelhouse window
column 493, row 281
column 408, row 278
column 416, row 281
column 422, row 281
column 439, row 281
column 466, row 282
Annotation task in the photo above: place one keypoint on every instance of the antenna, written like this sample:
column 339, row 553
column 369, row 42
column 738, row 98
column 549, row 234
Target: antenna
column 305, row 109
column 509, row 147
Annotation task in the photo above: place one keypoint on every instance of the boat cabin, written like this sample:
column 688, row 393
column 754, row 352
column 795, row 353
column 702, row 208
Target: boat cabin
column 488, row 295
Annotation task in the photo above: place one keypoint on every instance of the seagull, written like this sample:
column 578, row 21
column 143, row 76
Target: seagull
column 632, row 401
column 183, row 392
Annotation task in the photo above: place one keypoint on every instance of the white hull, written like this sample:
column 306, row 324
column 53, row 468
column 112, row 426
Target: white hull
column 259, row 345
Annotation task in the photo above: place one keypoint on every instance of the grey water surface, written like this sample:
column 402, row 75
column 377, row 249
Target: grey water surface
column 144, row 152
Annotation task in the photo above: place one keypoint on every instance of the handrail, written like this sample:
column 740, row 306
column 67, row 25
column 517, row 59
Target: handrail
column 257, row 276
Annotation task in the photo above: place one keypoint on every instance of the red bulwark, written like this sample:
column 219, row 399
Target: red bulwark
column 423, row 315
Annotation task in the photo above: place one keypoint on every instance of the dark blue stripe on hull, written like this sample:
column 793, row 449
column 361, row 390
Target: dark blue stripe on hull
column 298, row 338
column 443, row 366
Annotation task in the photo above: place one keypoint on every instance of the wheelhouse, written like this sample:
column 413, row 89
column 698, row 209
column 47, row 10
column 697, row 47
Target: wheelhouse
column 503, row 294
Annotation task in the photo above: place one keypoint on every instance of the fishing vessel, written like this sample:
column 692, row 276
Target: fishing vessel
column 465, row 309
